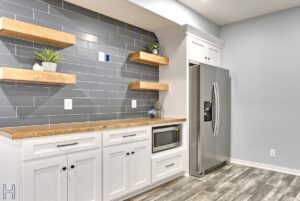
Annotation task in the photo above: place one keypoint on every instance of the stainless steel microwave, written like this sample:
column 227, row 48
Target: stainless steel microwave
column 166, row 137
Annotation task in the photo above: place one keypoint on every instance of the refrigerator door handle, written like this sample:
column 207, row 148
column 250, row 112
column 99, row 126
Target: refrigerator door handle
column 215, row 108
column 218, row 109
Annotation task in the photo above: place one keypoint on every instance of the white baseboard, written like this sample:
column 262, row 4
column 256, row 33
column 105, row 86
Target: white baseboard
column 266, row 166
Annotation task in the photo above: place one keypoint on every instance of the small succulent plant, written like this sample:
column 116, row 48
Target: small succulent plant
column 48, row 55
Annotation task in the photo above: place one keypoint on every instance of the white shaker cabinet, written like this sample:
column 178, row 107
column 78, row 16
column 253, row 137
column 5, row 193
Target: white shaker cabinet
column 45, row 180
column 126, row 169
column 200, row 51
column 76, row 177
column 84, row 176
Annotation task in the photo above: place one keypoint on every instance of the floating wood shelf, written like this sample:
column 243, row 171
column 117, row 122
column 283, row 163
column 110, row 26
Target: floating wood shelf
column 148, row 86
column 30, row 32
column 8, row 74
column 147, row 58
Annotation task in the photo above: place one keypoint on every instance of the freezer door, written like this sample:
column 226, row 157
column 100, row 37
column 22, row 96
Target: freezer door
column 194, row 120
column 207, row 138
column 222, row 138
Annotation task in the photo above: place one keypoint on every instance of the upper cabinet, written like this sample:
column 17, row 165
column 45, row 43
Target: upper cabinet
column 203, row 52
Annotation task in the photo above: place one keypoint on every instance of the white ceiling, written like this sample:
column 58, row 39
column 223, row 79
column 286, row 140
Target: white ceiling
column 228, row 11
column 127, row 12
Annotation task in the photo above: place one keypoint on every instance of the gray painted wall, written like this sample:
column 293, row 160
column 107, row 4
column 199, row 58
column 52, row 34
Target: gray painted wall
column 263, row 56
column 101, row 91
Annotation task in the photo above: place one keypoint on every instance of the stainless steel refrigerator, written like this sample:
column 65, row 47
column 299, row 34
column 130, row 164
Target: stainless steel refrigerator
column 209, row 118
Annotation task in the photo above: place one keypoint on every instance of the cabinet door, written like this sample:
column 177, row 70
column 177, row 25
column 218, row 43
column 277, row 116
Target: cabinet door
column 140, row 165
column 213, row 54
column 45, row 180
column 197, row 51
column 115, row 171
column 84, row 176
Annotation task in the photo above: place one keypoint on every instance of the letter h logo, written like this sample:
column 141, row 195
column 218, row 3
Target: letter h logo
column 11, row 191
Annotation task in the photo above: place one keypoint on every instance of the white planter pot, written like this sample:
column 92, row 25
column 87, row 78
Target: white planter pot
column 49, row 66
column 155, row 51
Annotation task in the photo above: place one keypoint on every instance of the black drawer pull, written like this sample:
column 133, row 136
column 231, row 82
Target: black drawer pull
column 66, row 145
column 170, row 165
column 129, row 135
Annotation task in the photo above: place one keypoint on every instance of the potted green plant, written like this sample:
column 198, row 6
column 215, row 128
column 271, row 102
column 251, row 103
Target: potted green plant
column 49, row 58
column 154, row 47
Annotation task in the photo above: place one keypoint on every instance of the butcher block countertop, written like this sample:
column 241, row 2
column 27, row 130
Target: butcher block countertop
column 67, row 128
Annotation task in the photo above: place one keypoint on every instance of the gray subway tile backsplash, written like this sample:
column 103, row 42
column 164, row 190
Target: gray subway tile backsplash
column 101, row 91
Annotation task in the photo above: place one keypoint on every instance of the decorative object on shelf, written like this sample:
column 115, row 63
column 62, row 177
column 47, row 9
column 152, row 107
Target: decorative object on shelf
column 37, row 66
column 152, row 113
column 49, row 59
column 154, row 47
column 158, row 108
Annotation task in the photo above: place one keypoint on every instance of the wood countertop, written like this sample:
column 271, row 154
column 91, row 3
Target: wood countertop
column 67, row 128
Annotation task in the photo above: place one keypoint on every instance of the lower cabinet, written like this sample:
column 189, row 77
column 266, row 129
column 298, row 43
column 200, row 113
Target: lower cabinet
column 75, row 177
column 167, row 164
column 126, row 169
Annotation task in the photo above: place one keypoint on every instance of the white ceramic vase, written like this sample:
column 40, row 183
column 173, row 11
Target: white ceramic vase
column 155, row 51
column 49, row 66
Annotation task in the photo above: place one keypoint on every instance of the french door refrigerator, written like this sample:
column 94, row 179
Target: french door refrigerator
column 209, row 118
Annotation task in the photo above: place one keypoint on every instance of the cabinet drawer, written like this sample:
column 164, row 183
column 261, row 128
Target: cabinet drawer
column 56, row 145
column 166, row 165
column 121, row 136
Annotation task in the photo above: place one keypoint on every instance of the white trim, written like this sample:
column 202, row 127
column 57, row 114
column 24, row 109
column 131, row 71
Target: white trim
column 266, row 166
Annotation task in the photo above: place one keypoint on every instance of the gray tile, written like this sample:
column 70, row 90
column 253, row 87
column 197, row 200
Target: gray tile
column 138, row 109
column 112, row 109
column 77, row 9
column 59, row 92
column 102, row 71
column 150, row 77
column 14, row 41
column 23, row 91
column 91, row 101
column 112, row 87
column 53, row 2
column 140, row 44
column 26, row 51
column 103, row 94
column 48, row 101
column 23, row 121
column 81, row 43
column 121, row 38
column 130, row 34
column 83, row 110
column 16, row 61
column 8, row 101
column 148, row 39
column 68, row 118
column 129, row 115
column 97, row 117
column 39, row 23
column 87, row 53
column 7, row 48
column 8, row 111
column 72, row 68
column 133, row 75
column 6, row 14
column 17, row 9
column 31, row 4
column 120, row 102
column 39, row 111
column 109, row 20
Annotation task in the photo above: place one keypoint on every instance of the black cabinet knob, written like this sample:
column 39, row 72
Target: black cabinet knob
column 205, row 57
column 128, row 154
column 132, row 152
column 208, row 58
column 72, row 166
column 64, row 169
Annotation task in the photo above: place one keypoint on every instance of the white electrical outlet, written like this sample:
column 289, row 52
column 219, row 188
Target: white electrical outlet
column 273, row 153
column 101, row 56
column 133, row 103
column 68, row 104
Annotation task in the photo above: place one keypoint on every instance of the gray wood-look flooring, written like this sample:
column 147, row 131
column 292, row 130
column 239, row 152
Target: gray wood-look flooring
column 229, row 183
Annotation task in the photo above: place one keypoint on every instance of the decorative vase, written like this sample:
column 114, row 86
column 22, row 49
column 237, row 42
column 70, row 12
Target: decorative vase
column 49, row 66
column 155, row 51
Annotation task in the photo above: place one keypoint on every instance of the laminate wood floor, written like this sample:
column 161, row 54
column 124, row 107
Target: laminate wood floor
column 229, row 183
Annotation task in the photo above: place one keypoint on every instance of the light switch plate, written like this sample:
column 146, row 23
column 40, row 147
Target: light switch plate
column 133, row 103
column 68, row 104
column 101, row 56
